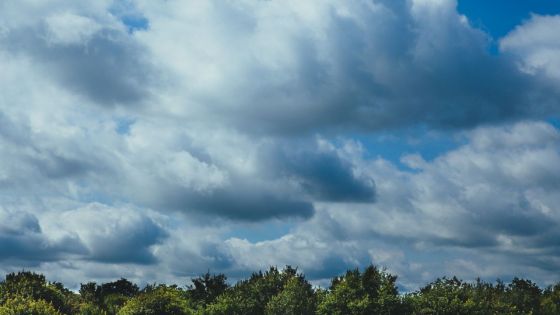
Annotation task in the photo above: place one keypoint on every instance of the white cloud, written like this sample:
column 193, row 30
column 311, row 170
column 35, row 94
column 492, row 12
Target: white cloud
column 280, row 67
column 536, row 44
column 493, row 197
column 68, row 28
column 225, row 112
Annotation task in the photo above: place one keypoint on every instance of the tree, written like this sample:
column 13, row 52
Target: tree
column 122, row 287
column 355, row 293
column 161, row 300
column 550, row 302
column 90, row 292
column 524, row 295
column 206, row 289
column 90, row 309
column 29, row 286
column 453, row 296
column 110, row 296
column 250, row 297
column 27, row 306
column 296, row 298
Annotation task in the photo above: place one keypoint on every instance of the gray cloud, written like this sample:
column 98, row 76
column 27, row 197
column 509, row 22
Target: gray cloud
column 115, row 235
column 320, row 172
column 484, row 198
column 272, row 178
column 364, row 66
column 101, row 62
column 24, row 243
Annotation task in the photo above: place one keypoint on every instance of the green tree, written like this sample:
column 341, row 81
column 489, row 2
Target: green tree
column 27, row 306
column 112, row 302
column 88, row 308
column 524, row 295
column 550, row 302
column 161, row 300
column 250, row 297
column 453, row 296
column 296, row 298
column 122, row 287
column 27, row 286
column 90, row 292
column 108, row 297
column 355, row 293
column 206, row 289
column 443, row 296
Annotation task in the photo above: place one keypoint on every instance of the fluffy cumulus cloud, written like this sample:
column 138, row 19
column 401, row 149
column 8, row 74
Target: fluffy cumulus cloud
column 486, row 202
column 536, row 46
column 157, row 139
column 361, row 65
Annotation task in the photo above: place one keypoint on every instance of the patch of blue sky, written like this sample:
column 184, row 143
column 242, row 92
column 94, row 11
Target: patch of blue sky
column 135, row 23
column 122, row 125
column 392, row 146
column 554, row 121
column 499, row 17
column 129, row 15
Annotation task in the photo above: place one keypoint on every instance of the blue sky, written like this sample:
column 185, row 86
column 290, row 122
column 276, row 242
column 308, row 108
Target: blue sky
column 156, row 140
column 499, row 17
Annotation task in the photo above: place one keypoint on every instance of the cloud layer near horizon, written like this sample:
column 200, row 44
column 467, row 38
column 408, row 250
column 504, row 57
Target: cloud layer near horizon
column 142, row 149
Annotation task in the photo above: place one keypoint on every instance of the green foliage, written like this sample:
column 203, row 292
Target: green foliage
column 29, row 286
column 161, row 300
column 296, row 298
column 206, row 289
column 112, row 302
column 275, row 292
column 26, row 306
column 250, row 297
column 550, row 302
column 90, row 292
column 90, row 309
column 108, row 297
column 121, row 287
column 453, row 296
column 355, row 293
column 524, row 295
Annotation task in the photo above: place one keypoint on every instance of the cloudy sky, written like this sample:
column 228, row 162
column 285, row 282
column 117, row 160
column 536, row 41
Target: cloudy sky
column 156, row 140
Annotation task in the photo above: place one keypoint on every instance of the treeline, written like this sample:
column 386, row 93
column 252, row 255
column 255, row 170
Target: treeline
column 371, row 291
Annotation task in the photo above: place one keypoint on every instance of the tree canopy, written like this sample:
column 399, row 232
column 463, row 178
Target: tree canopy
column 277, row 291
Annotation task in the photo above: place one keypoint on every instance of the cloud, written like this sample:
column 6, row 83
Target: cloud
column 158, row 129
column 114, row 235
column 68, row 28
column 286, row 68
column 277, row 181
column 24, row 243
column 91, row 55
column 493, row 197
column 535, row 44
column 322, row 171
column 184, row 149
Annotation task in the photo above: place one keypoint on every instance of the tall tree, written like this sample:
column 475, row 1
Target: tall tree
column 161, row 300
column 207, row 288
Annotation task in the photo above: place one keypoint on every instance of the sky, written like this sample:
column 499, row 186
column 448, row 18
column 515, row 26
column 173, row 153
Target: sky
column 157, row 140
